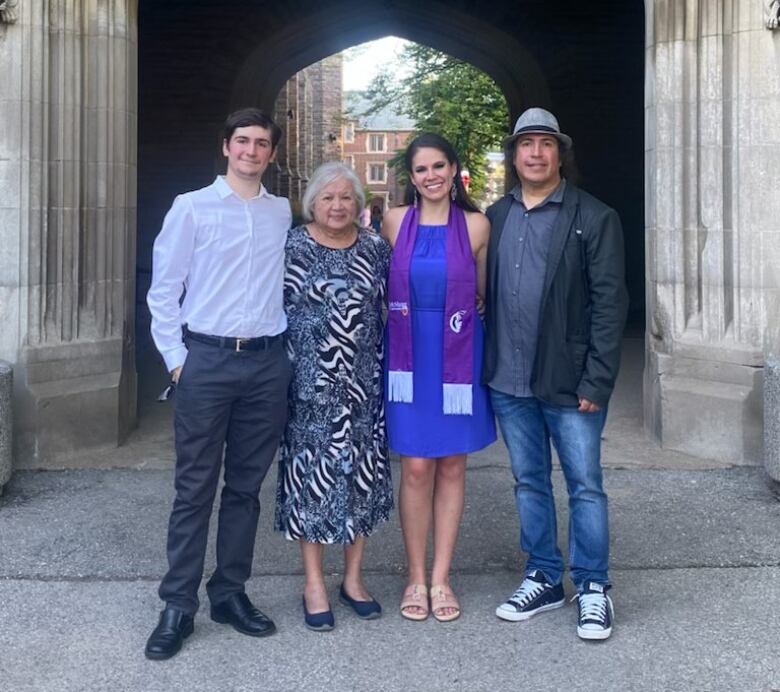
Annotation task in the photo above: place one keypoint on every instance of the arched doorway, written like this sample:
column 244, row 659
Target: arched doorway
column 199, row 60
column 704, row 79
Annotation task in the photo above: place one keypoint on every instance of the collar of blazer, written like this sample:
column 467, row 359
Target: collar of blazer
column 560, row 231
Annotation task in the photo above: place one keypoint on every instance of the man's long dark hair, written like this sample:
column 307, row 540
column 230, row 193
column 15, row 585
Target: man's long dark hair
column 430, row 140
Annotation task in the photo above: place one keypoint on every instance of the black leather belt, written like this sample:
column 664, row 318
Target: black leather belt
column 234, row 343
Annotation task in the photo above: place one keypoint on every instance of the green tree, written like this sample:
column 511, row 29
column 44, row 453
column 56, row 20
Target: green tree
column 443, row 94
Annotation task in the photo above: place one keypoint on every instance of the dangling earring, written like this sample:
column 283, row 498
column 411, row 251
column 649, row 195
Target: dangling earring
column 453, row 192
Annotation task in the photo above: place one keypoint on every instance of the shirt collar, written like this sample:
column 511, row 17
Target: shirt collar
column 224, row 190
column 556, row 196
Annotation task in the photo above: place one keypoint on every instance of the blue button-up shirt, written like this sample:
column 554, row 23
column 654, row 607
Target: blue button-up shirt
column 522, row 262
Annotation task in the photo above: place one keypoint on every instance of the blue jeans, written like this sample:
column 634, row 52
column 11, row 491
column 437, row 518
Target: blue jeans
column 527, row 425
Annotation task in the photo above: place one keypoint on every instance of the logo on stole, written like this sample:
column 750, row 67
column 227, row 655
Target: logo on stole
column 399, row 306
column 456, row 321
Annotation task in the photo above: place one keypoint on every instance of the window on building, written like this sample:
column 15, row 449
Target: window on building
column 349, row 161
column 349, row 132
column 376, row 142
column 377, row 173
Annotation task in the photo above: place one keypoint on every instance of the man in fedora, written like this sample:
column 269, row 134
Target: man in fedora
column 222, row 340
column 555, row 309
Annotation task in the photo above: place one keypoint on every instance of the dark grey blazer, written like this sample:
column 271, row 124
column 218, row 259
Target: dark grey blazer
column 584, row 302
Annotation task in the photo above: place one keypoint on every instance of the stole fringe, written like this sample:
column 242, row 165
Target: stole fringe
column 458, row 399
column 400, row 386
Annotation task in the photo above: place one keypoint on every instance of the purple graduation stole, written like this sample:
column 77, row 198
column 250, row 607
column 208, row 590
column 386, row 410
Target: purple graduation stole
column 459, row 315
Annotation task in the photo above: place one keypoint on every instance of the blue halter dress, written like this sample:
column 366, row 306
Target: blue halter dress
column 420, row 428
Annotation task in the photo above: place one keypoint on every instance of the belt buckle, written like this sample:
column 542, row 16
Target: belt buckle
column 239, row 341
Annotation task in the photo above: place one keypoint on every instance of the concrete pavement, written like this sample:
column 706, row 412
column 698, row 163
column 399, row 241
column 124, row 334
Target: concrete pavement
column 695, row 564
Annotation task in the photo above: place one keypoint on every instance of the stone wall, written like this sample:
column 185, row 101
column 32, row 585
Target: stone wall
column 67, row 224
column 772, row 416
column 712, row 106
column 6, row 422
column 308, row 108
column 68, row 174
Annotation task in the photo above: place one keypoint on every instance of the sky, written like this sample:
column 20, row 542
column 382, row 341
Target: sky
column 363, row 61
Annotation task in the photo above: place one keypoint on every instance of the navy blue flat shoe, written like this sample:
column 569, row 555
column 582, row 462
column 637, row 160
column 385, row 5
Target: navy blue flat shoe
column 366, row 610
column 318, row 622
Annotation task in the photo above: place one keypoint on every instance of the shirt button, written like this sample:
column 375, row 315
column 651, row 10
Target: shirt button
column 526, row 215
column 517, row 266
column 521, row 239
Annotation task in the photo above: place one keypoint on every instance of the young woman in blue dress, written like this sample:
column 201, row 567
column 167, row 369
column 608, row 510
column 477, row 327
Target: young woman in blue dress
column 437, row 411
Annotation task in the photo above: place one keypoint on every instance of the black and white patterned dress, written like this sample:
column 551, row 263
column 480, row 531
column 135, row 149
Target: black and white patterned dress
column 334, row 476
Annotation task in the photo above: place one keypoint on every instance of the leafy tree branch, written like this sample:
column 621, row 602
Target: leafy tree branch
column 444, row 94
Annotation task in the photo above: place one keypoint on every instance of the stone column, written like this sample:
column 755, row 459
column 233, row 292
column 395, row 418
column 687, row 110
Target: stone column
column 772, row 338
column 308, row 108
column 296, row 152
column 67, row 224
column 284, row 114
column 6, row 422
column 713, row 216
column 307, row 128
column 772, row 416
column 326, row 128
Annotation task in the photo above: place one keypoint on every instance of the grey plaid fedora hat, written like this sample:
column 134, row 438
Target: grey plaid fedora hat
column 538, row 121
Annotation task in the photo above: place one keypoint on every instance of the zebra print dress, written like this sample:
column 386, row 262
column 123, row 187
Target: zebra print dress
column 334, row 477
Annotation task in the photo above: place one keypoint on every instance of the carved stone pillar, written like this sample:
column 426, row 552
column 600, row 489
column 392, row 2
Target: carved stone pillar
column 68, row 224
column 711, row 147
column 331, row 107
column 9, row 11
column 284, row 114
column 6, row 422
column 308, row 109
column 297, row 135
column 772, row 14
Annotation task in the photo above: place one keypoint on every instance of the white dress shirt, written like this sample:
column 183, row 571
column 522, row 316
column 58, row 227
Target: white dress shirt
column 228, row 253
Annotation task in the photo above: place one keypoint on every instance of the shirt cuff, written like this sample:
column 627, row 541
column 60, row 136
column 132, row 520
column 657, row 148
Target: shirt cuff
column 175, row 357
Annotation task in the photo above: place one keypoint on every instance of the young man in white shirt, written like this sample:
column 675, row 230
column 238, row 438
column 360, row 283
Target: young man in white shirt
column 221, row 248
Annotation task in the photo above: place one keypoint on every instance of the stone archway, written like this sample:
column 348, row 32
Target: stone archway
column 585, row 64
column 700, row 126
column 464, row 36
column 551, row 55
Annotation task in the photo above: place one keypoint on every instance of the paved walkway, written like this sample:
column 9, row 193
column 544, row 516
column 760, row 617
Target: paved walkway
column 695, row 563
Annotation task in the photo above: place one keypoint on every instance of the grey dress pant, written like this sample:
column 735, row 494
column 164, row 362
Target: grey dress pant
column 231, row 404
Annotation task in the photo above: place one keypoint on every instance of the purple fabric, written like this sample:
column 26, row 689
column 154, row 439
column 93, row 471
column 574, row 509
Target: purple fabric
column 458, row 315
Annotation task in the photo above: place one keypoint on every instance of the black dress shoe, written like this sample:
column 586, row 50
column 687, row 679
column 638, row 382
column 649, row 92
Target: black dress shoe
column 245, row 618
column 166, row 640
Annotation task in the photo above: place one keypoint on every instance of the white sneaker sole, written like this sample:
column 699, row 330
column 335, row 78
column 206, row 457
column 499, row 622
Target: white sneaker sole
column 514, row 616
column 593, row 634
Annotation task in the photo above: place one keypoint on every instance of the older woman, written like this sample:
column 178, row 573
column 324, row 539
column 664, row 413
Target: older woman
column 334, row 477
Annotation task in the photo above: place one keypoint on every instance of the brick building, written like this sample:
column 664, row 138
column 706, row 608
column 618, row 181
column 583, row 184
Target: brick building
column 369, row 143
column 309, row 110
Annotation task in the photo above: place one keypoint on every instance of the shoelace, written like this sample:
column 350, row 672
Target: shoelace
column 593, row 606
column 526, row 592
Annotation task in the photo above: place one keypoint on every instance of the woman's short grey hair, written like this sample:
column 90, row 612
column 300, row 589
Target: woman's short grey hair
column 324, row 176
